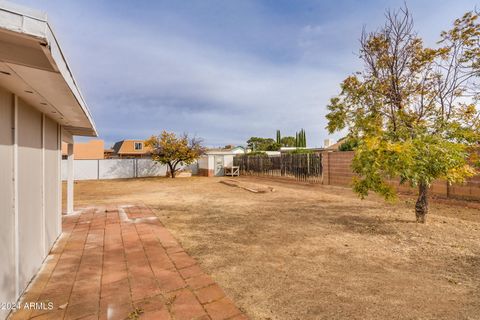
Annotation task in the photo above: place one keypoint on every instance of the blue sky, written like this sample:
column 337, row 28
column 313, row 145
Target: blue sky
column 221, row 70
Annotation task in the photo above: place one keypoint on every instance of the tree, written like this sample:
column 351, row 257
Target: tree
column 301, row 139
column 273, row 147
column 262, row 144
column 413, row 109
column 279, row 137
column 171, row 150
column 348, row 144
column 288, row 141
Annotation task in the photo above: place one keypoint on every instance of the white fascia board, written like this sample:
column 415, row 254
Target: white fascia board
column 32, row 23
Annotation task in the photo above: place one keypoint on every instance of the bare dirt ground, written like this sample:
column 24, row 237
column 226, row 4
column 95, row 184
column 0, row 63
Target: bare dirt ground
column 317, row 252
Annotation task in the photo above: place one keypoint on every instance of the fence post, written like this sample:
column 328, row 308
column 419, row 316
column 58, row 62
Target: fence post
column 308, row 163
column 328, row 168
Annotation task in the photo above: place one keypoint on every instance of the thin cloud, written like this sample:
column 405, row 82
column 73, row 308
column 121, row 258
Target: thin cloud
column 224, row 71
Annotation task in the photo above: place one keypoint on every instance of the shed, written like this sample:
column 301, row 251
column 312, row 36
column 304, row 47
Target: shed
column 40, row 106
column 214, row 162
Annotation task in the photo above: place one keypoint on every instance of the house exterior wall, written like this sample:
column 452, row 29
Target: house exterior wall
column 53, row 200
column 7, row 216
column 90, row 150
column 127, row 149
column 30, row 189
column 30, row 193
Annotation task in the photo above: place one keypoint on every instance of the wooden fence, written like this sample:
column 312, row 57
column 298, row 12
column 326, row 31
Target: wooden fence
column 303, row 167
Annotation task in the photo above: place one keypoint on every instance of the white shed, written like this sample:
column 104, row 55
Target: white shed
column 213, row 163
column 40, row 106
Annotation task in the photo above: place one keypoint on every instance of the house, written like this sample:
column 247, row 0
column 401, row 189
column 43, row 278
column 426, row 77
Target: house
column 129, row 149
column 335, row 146
column 108, row 153
column 40, row 107
column 90, row 150
column 238, row 150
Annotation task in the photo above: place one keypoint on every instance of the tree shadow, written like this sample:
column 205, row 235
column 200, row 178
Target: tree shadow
column 367, row 224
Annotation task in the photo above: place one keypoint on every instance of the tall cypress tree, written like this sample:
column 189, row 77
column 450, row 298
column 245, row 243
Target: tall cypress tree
column 278, row 136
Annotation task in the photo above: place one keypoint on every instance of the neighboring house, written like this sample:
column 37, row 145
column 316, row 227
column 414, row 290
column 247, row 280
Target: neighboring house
column 40, row 106
column 238, row 150
column 129, row 149
column 336, row 145
column 90, row 150
column 108, row 154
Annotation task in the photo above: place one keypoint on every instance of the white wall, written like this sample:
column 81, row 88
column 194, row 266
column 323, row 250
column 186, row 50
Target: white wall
column 228, row 161
column 208, row 161
column 149, row 168
column 30, row 193
column 7, row 215
column 203, row 162
column 118, row 169
column 53, row 200
column 83, row 169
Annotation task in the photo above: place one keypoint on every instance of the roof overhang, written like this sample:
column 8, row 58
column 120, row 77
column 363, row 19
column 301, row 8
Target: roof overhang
column 33, row 67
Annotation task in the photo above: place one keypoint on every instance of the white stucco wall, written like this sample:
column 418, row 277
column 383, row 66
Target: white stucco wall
column 30, row 193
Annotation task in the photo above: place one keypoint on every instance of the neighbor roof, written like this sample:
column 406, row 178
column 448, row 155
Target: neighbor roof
column 128, row 147
column 33, row 66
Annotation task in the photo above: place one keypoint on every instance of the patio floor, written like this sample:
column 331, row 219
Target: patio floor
column 122, row 263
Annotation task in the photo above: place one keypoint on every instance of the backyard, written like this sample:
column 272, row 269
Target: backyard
column 307, row 251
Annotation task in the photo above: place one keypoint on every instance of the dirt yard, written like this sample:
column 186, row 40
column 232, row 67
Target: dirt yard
column 316, row 252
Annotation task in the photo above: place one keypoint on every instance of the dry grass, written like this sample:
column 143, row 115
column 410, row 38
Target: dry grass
column 316, row 252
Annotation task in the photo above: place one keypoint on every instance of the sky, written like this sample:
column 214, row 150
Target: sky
column 221, row 70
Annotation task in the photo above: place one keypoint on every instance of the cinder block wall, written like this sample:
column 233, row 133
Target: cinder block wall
column 337, row 171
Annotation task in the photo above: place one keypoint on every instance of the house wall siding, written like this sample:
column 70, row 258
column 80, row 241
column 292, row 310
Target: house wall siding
column 7, row 225
column 29, row 193
column 30, row 190
column 52, row 181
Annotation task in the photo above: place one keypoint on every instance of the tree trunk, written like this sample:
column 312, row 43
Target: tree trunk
column 172, row 170
column 421, row 207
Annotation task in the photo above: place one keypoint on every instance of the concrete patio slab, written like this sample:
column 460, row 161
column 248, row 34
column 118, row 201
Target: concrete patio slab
column 121, row 263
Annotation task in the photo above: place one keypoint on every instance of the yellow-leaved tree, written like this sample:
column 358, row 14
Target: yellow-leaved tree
column 412, row 112
column 172, row 150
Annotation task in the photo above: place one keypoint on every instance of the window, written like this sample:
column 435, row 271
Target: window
column 138, row 146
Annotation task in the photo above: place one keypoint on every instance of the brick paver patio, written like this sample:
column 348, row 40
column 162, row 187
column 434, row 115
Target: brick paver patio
column 122, row 263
